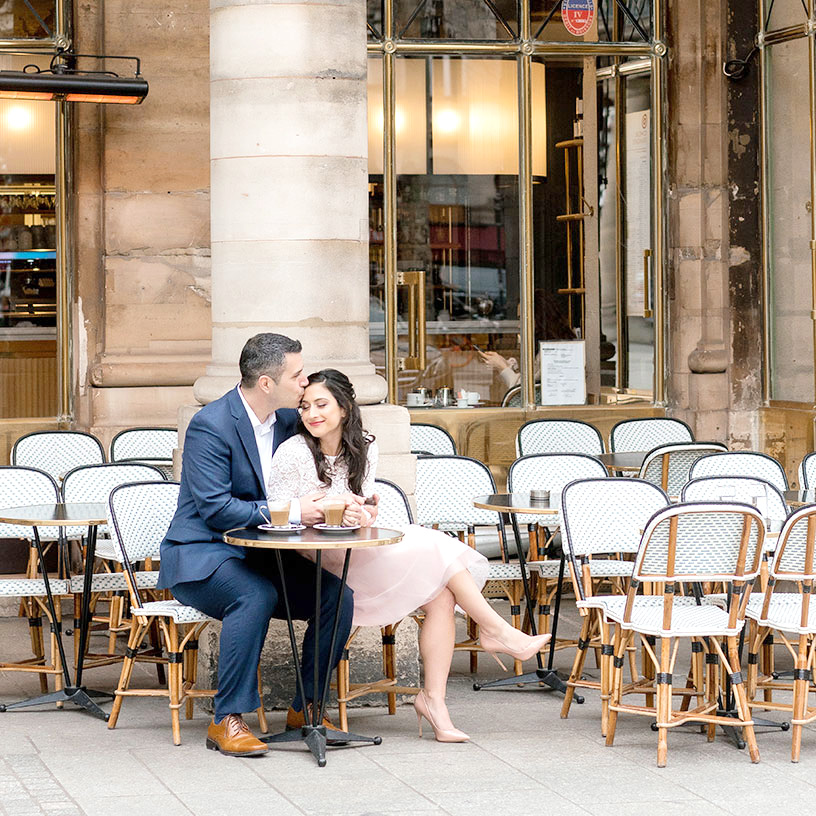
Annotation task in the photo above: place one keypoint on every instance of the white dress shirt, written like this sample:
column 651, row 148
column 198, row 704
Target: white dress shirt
column 265, row 440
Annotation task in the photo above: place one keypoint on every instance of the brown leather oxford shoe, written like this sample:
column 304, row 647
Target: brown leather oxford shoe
column 232, row 737
column 296, row 719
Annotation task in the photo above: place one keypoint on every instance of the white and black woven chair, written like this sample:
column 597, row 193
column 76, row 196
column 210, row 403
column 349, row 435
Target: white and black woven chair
column 394, row 511
column 558, row 436
column 595, row 542
column 57, row 452
column 647, row 433
column 152, row 446
column 138, row 517
column 21, row 486
column 668, row 466
column 790, row 614
column 682, row 546
column 445, row 489
column 548, row 471
column 431, row 440
column 94, row 483
column 741, row 463
column 807, row 472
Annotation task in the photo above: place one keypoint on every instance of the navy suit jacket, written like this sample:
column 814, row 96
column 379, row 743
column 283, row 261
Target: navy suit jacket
column 222, row 488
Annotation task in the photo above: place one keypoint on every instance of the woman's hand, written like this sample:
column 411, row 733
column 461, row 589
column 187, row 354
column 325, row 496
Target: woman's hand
column 494, row 360
column 353, row 516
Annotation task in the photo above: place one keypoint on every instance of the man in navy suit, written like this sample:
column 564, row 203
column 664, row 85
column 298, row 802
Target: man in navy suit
column 227, row 456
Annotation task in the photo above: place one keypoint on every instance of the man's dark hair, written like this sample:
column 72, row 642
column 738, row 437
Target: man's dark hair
column 265, row 354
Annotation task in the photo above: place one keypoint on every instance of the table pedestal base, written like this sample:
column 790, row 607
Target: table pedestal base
column 317, row 738
column 80, row 696
column 546, row 676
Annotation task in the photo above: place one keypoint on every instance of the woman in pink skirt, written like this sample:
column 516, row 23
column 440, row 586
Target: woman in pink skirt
column 427, row 569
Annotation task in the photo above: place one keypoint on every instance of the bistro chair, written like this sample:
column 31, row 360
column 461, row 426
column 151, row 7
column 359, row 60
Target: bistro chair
column 558, row 436
column 763, row 495
column 741, row 463
column 138, row 517
column 647, row 433
column 792, row 616
column 431, row 440
column 393, row 511
column 57, row 452
column 687, row 545
column 668, row 466
column 548, row 471
column 513, row 397
column 151, row 446
column 445, row 489
column 594, row 548
column 20, row 486
column 94, row 483
column 807, row 472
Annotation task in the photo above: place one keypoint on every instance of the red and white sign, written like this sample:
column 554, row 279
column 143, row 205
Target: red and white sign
column 578, row 16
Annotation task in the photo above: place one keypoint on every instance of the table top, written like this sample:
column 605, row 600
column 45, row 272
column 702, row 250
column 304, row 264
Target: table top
column 56, row 515
column 623, row 460
column 514, row 503
column 798, row 498
column 311, row 539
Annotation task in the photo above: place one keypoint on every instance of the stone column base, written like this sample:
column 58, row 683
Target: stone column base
column 278, row 671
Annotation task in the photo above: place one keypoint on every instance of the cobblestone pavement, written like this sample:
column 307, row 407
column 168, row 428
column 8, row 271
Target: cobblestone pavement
column 522, row 758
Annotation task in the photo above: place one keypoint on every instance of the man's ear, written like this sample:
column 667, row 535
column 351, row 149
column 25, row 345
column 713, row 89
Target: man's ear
column 266, row 383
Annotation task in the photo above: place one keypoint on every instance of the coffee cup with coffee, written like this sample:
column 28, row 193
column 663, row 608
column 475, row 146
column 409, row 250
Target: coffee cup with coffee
column 333, row 509
column 277, row 513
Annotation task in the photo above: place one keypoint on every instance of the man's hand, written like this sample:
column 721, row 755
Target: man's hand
column 371, row 507
column 311, row 510
column 353, row 517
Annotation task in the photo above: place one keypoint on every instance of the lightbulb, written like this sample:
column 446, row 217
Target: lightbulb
column 447, row 120
column 18, row 118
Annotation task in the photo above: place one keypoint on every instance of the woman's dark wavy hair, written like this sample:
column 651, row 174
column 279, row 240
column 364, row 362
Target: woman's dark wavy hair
column 354, row 441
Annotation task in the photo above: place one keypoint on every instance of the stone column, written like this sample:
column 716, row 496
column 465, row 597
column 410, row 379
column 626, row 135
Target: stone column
column 289, row 217
column 289, row 175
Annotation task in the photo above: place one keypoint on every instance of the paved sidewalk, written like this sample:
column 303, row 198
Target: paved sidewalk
column 522, row 759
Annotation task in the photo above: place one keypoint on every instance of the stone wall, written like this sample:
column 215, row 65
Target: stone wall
column 141, row 214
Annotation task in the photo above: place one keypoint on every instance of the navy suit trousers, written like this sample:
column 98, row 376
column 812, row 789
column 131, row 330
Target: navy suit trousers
column 244, row 595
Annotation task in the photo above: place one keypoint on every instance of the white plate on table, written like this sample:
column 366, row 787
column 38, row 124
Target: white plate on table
column 284, row 528
column 332, row 528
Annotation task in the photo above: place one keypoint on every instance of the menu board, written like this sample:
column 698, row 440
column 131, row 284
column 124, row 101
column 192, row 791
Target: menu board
column 638, row 208
column 563, row 376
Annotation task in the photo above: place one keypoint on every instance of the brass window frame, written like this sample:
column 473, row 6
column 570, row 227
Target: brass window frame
column 523, row 48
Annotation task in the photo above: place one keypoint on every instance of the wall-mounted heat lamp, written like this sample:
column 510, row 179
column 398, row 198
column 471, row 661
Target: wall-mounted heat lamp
column 63, row 81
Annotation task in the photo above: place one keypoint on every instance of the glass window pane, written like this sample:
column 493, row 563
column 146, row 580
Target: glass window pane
column 784, row 13
column 28, row 366
column 603, row 20
column 17, row 22
column 457, row 220
column 456, row 19
column 789, row 206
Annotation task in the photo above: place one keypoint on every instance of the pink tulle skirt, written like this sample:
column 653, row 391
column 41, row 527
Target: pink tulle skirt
column 392, row 581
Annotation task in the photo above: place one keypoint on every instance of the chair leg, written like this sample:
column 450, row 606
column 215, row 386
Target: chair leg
column 137, row 631
column 664, row 702
column 800, row 696
column 174, row 679
column 32, row 612
column 577, row 665
column 343, row 680
column 606, row 671
column 742, row 698
column 262, row 724
column 390, row 662
column 622, row 638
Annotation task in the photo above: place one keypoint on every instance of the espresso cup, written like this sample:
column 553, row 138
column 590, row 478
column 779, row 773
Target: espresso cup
column 414, row 400
column 333, row 510
column 278, row 513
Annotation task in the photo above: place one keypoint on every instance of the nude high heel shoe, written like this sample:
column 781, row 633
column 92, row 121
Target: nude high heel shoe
column 492, row 645
column 442, row 735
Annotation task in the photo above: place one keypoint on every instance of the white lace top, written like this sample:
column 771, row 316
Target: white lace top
column 293, row 473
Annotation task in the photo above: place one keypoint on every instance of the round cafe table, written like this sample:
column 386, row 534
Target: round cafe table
column 799, row 498
column 69, row 514
column 511, row 504
column 624, row 461
column 314, row 733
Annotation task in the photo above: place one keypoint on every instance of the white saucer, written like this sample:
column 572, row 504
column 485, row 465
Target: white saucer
column 331, row 528
column 284, row 528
